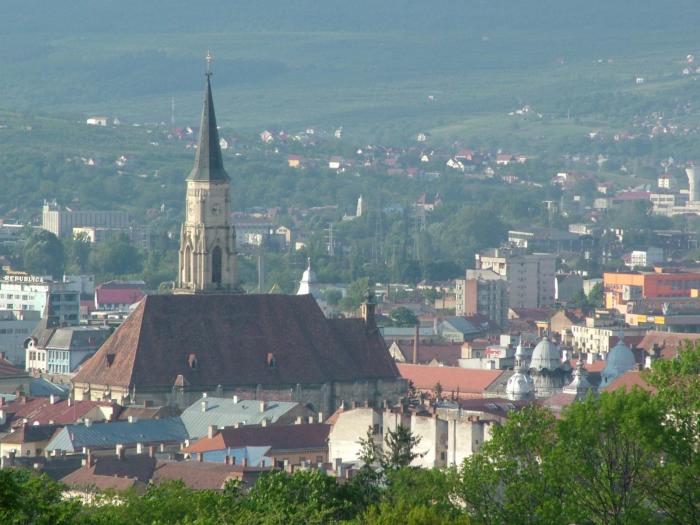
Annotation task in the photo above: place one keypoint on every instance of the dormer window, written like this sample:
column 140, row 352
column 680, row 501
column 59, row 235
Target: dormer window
column 271, row 361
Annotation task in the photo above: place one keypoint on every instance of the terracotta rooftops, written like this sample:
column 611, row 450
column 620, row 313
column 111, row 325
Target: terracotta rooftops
column 277, row 437
column 466, row 380
column 227, row 340
column 629, row 380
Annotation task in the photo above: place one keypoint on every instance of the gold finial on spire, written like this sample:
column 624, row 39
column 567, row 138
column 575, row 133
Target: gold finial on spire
column 209, row 58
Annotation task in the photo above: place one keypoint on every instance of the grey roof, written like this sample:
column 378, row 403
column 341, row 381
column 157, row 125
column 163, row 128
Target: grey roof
column 208, row 163
column 405, row 332
column 78, row 337
column 546, row 356
column 40, row 387
column 460, row 324
column 106, row 435
column 223, row 412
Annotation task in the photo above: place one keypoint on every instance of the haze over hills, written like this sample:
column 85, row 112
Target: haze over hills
column 363, row 64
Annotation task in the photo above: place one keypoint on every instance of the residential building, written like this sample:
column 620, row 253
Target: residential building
column 12, row 379
column 539, row 239
column 56, row 349
column 620, row 288
column 15, row 327
column 23, row 292
column 596, row 338
column 222, row 412
column 27, row 440
column 483, row 292
column 118, row 472
column 567, row 286
column 265, row 446
column 60, row 221
column 645, row 258
column 118, row 295
column 530, row 276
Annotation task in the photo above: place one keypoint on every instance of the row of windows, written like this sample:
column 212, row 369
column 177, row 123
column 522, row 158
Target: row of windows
column 34, row 356
column 58, row 369
column 9, row 331
column 14, row 296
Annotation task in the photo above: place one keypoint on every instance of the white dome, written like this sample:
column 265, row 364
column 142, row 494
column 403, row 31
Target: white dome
column 307, row 285
column 519, row 386
column 546, row 355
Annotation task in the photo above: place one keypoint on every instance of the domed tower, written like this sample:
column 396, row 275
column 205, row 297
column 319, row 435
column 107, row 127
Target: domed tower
column 579, row 386
column 547, row 370
column 308, row 284
column 520, row 385
column 619, row 360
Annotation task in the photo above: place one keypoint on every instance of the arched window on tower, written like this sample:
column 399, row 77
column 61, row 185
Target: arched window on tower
column 216, row 265
column 188, row 264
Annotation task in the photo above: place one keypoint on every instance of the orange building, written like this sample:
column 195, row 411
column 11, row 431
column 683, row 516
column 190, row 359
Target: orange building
column 623, row 287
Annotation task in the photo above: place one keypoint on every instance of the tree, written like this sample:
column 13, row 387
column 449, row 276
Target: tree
column 675, row 483
column 333, row 297
column 44, row 255
column 400, row 445
column 355, row 295
column 596, row 296
column 609, row 463
column 117, row 256
column 28, row 498
column 77, row 250
column 403, row 316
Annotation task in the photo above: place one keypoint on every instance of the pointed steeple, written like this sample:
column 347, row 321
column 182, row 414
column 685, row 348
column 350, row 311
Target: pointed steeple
column 208, row 163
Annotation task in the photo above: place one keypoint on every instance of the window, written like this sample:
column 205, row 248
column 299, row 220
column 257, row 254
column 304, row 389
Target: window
column 216, row 265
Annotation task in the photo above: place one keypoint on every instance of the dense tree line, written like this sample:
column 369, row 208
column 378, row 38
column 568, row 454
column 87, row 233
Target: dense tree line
column 625, row 457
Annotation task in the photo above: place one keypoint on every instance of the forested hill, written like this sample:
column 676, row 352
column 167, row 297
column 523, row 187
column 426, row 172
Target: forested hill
column 362, row 62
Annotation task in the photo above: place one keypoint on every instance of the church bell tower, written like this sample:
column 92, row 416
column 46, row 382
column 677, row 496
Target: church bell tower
column 207, row 237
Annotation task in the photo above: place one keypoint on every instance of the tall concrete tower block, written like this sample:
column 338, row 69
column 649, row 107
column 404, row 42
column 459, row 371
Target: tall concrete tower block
column 693, row 184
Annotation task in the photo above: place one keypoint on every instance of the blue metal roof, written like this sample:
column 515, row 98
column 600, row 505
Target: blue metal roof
column 73, row 438
column 223, row 412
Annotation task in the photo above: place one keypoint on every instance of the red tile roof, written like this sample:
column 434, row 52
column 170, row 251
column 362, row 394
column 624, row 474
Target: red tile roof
column 595, row 366
column 230, row 337
column 278, row 437
column 451, row 379
column 40, row 410
column 667, row 342
column 7, row 369
column 445, row 353
column 127, row 294
column 629, row 380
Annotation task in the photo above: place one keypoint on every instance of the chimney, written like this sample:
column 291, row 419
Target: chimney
column 298, row 420
column 70, row 401
column 200, row 457
column 262, row 406
column 320, row 417
column 89, row 458
column 244, row 462
column 204, row 405
column 204, row 395
column 88, row 422
column 132, row 419
column 139, row 448
column 120, row 451
column 152, row 451
column 233, row 460
column 3, row 417
column 52, row 399
column 235, row 400
column 263, row 423
column 416, row 343
column 311, row 420
column 227, row 459
column 211, row 431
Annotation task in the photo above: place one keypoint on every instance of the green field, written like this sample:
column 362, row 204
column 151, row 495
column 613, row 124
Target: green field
column 367, row 66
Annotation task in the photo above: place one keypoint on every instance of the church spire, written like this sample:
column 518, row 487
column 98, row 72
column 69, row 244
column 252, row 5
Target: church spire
column 208, row 163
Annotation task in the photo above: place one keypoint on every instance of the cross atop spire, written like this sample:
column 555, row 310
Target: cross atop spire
column 208, row 163
column 209, row 58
